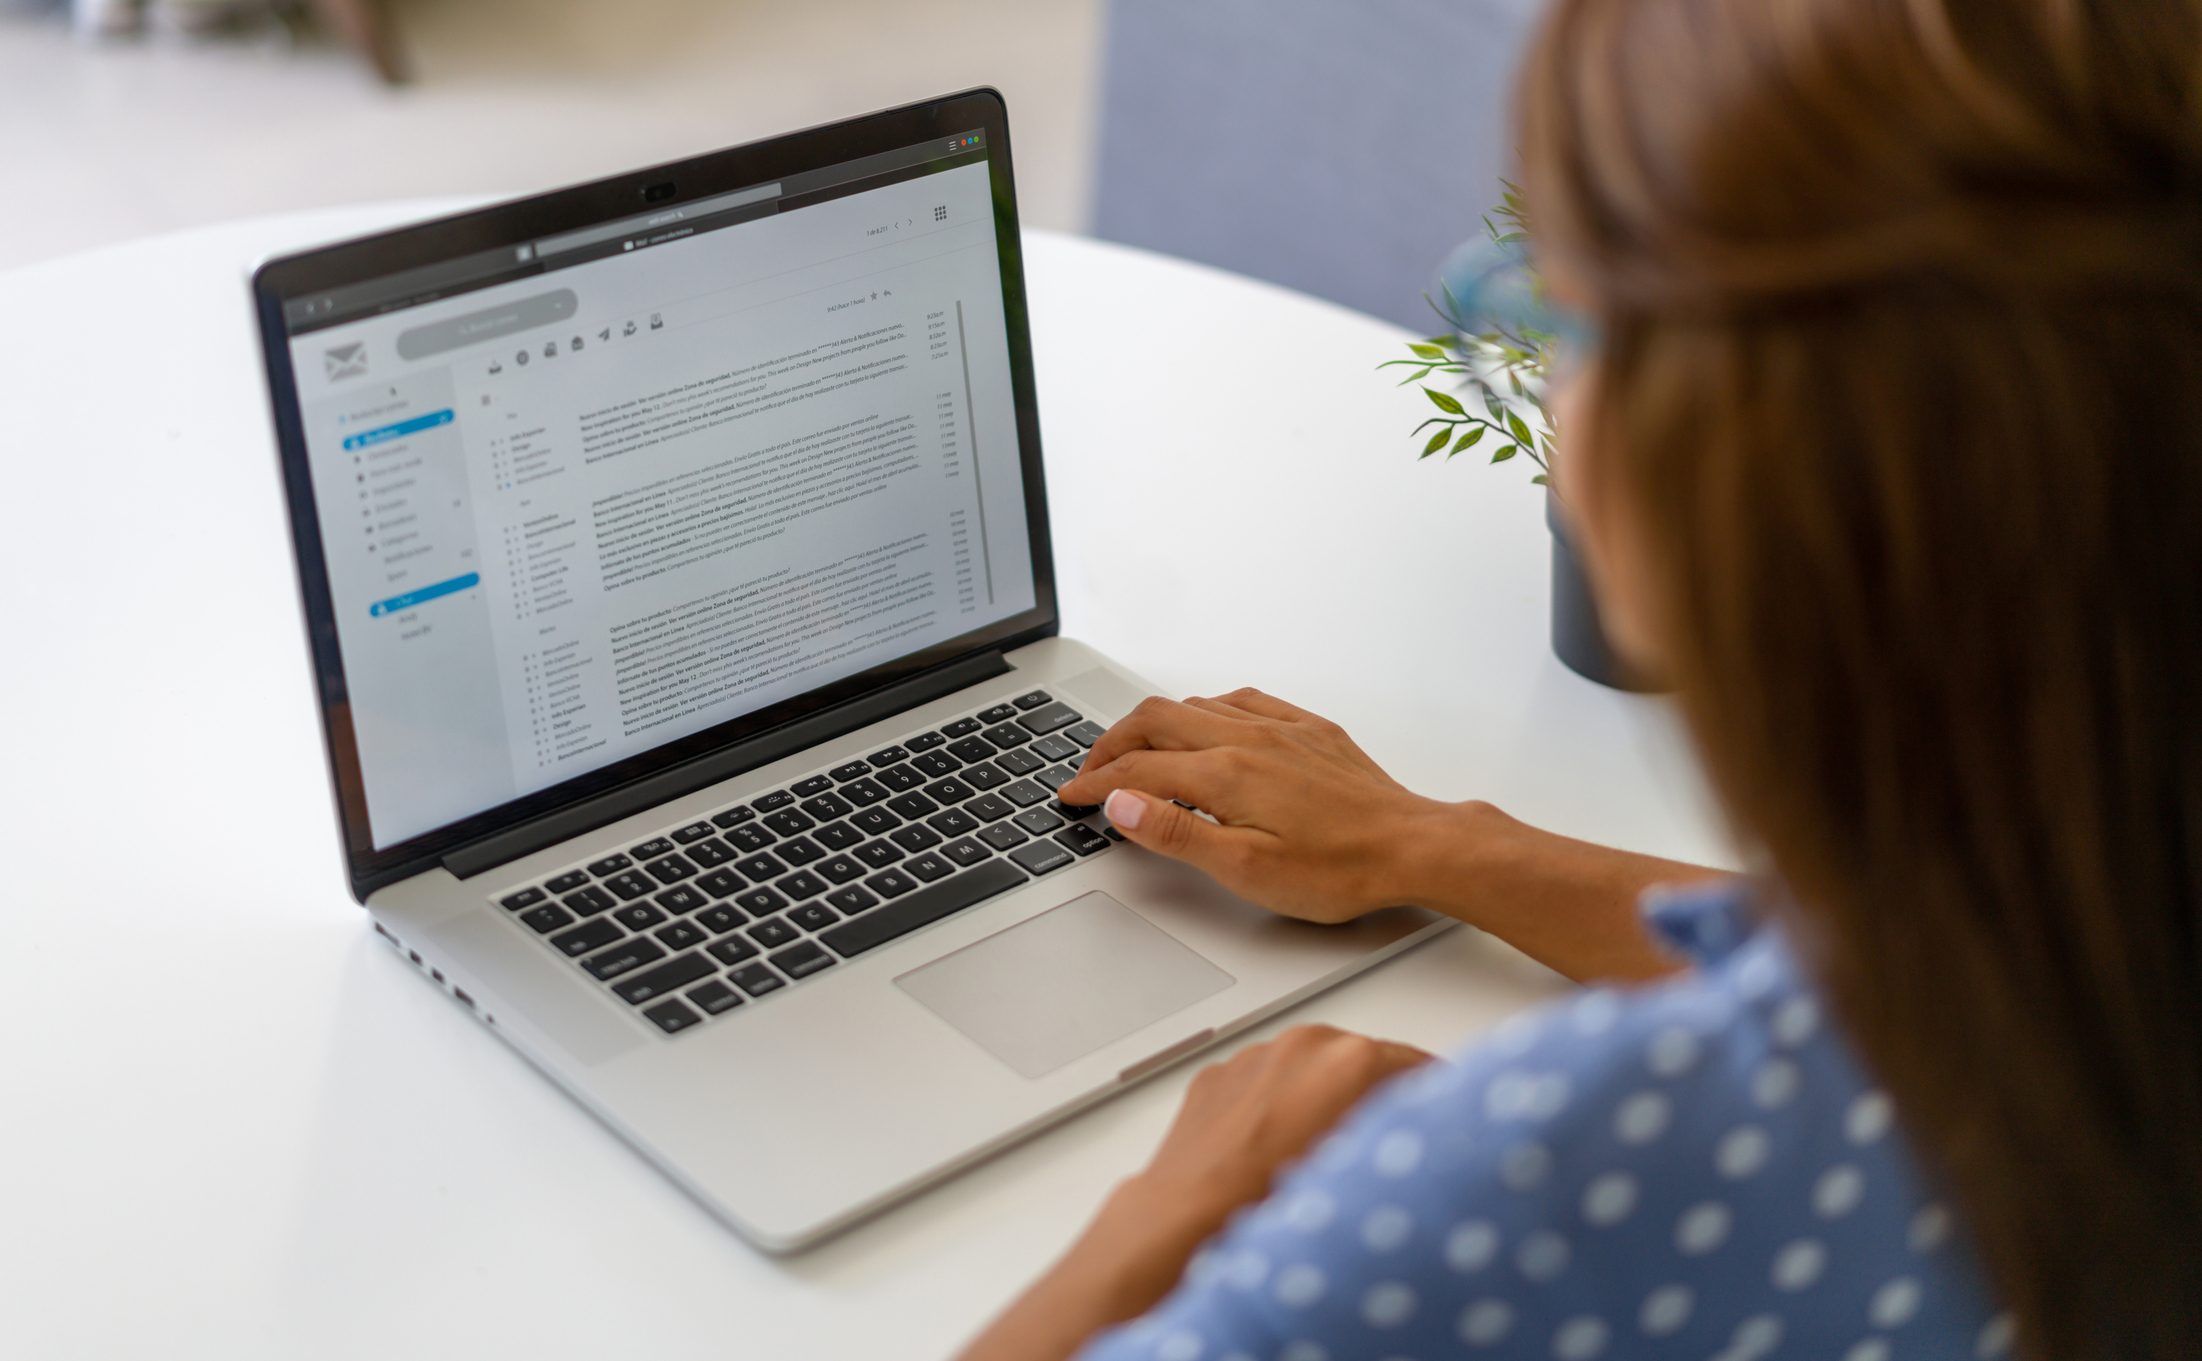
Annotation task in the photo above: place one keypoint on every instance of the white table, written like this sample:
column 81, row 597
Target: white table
column 237, row 1127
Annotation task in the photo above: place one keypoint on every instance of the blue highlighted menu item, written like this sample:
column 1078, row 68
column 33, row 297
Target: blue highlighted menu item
column 425, row 593
column 384, row 434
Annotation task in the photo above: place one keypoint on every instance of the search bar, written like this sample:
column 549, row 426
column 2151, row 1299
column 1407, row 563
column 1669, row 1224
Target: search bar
column 650, row 222
column 487, row 324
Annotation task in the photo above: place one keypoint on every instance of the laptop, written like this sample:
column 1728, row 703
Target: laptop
column 677, row 579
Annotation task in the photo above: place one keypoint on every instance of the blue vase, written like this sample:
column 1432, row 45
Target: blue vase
column 1578, row 637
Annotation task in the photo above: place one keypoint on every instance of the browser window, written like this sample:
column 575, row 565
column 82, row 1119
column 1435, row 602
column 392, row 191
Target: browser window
column 730, row 453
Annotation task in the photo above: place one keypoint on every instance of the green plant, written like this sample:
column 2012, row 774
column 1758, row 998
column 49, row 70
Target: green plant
column 1501, row 367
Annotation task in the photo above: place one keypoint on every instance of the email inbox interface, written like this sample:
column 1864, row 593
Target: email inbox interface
column 718, row 473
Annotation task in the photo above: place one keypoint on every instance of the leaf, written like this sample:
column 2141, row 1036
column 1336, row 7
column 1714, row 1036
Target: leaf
column 1541, row 480
column 1445, row 403
column 1429, row 352
column 1491, row 404
column 1437, row 442
column 1520, row 429
column 1469, row 440
column 1504, row 454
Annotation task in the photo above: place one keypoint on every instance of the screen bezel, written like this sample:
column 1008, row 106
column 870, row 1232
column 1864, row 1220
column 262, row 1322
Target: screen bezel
column 512, row 223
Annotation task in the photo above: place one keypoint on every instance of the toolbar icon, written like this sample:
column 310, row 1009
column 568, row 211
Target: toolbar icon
column 657, row 323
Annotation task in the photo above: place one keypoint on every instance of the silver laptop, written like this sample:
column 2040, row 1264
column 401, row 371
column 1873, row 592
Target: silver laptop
column 674, row 554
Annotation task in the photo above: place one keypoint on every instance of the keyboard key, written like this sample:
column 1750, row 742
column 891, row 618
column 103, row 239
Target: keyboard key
column 887, row 756
column 875, row 821
column 901, row 778
column 1000, row 713
column 568, row 882
column 639, row 916
column 694, row 831
column 1055, row 777
column 527, row 897
column 759, row 868
column 925, row 741
column 1085, row 734
column 682, row 899
column 609, row 865
column 1080, row 838
column 715, row 997
column 1033, row 699
column 651, row 849
column 801, row 961
column 778, row 798
column 1048, row 717
column 732, row 950
column 1038, row 821
column 1022, row 793
column 964, row 852
column 962, row 727
column 802, row 884
column 732, row 817
column 751, row 838
column 914, row 838
column 586, row 937
column 863, row 793
column 757, row 980
column 1019, row 762
column 801, row 851
column 954, row 822
column 761, row 902
column 680, row 935
column 546, row 918
column 984, row 776
column 672, row 1016
column 1112, row 834
column 840, row 869
column 721, row 883
column 852, row 900
column 878, row 855
column 1041, row 856
column 719, row 919
column 1005, row 736
column 654, row 983
column 1002, row 835
column 814, row 916
column 671, row 870
column 988, row 807
column 710, row 851
column 890, row 883
column 1055, row 747
column 816, row 784
column 950, row 790
column 927, row 905
column 827, row 807
column 973, row 748
column 912, row 805
column 772, row 931
column 935, row 764
column 630, row 885
column 848, row 771
column 628, row 954
column 837, row 836
column 928, row 867
column 588, row 902
column 789, row 821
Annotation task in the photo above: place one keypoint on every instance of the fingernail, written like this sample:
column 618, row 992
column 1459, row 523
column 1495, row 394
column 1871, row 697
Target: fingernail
column 1125, row 809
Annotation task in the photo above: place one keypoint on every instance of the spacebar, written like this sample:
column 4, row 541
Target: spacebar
column 927, row 905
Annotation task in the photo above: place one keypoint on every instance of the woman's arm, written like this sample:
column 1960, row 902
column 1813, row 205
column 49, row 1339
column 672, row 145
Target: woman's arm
column 1308, row 826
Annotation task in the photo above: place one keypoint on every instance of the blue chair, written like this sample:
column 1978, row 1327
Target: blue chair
column 1340, row 147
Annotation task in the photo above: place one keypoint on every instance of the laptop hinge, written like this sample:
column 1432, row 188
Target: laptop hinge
column 498, row 848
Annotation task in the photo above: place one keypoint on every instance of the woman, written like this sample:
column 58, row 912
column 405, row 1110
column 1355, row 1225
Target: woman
column 1888, row 455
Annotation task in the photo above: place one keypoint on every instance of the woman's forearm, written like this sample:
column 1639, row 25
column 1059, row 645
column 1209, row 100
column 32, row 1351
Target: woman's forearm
column 1570, row 905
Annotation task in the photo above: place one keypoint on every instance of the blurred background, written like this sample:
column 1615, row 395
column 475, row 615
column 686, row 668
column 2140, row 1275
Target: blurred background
column 1337, row 146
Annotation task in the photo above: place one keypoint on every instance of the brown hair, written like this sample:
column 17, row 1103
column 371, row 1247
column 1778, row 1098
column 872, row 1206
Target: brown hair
column 1900, row 395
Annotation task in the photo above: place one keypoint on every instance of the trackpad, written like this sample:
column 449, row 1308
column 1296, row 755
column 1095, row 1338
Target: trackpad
column 1058, row 986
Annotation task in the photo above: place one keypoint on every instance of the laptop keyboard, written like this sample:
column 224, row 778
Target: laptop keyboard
column 717, row 913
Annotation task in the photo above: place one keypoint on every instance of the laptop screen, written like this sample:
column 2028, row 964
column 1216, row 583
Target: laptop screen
column 589, row 494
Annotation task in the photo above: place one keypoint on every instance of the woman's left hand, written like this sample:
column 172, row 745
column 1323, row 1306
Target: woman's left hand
column 1244, row 1120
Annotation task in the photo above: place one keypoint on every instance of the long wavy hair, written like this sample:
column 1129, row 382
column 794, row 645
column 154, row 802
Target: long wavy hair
column 1900, row 395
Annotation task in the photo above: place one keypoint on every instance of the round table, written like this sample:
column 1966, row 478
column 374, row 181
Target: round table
column 237, row 1127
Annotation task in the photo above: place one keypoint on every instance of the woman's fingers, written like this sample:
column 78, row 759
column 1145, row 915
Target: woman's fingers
column 1253, row 701
column 1163, row 827
column 1205, row 779
column 1164, row 725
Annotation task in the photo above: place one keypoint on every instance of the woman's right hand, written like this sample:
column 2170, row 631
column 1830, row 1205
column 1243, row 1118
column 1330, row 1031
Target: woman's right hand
column 1305, row 823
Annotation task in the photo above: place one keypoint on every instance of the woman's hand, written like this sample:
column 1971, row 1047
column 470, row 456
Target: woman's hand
column 1243, row 1120
column 1305, row 823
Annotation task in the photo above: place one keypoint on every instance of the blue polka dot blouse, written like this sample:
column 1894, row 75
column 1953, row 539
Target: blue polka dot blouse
column 1695, row 1169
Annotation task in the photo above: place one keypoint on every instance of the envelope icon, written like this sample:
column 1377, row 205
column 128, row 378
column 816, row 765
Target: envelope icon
column 346, row 361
